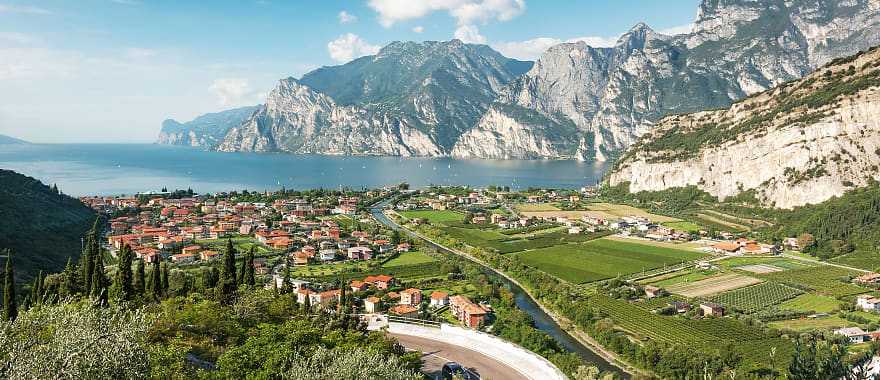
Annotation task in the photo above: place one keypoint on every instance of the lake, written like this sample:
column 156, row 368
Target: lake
column 112, row 169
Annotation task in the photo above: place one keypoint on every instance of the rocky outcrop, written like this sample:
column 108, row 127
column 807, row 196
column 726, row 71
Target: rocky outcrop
column 205, row 131
column 736, row 48
column 800, row 143
column 297, row 119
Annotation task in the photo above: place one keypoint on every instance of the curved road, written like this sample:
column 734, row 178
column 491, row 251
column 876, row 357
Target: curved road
column 435, row 354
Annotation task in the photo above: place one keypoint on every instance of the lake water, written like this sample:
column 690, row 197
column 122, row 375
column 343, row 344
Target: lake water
column 85, row 169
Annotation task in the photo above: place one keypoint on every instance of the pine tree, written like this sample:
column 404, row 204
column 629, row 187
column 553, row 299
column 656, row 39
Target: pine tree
column 123, row 282
column 250, row 272
column 99, row 282
column 10, row 308
column 156, row 277
column 139, row 284
column 227, row 284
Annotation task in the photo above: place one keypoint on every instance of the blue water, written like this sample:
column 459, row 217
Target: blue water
column 112, row 169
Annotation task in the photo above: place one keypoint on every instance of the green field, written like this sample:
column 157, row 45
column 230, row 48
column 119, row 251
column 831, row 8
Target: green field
column 756, row 297
column 408, row 258
column 779, row 262
column 811, row 302
column 863, row 259
column 688, row 276
column 683, row 226
column 435, row 217
column 809, row 324
column 602, row 259
column 494, row 240
column 824, row 280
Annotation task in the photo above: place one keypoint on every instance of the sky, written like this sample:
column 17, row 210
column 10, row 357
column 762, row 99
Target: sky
column 112, row 70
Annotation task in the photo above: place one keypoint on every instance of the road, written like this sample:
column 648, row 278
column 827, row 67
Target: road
column 435, row 354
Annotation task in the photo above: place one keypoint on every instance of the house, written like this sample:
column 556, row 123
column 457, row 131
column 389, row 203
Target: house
column 868, row 278
column 474, row 316
column 360, row 253
column 711, row 308
column 411, row 296
column 300, row 258
column 191, row 249
column 358, row 286
column 575, row 230
column 725, row 247
column 380, row 282
column 652, row 291
column 680, row 307
column 209, row 255
column 327, row 254
column 854, row 334
column 183, row 258
column 403, row 247
column 868, row 303
column 439, row 299
column 372, row 304
column 405, row 311
column 393, row 296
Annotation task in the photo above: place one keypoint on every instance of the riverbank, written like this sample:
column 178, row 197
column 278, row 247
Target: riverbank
column 579, row 336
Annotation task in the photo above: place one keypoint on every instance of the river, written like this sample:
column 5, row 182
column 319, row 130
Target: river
column 542, row 320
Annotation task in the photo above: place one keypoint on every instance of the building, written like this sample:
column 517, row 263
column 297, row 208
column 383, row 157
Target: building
column 868, row 278
column 372, row 305
column 439, row 299
column 652, row 291
column 358, row 286
column 380, row 282
column 183, row 258
column 854, row 334
column 209, row 255
column 467, row 312
column 868, row 302
column 405, row 311
column 411, row 296
column 711, row 308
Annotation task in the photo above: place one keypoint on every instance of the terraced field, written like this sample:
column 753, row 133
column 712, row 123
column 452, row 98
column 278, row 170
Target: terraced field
column 603, row 258
column 712, row 285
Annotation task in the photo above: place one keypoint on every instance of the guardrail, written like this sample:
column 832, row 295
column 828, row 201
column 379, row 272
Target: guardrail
column 412, row 321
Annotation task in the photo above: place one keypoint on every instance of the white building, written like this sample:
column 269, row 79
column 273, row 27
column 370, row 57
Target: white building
column 868, row 303
column 854, row 334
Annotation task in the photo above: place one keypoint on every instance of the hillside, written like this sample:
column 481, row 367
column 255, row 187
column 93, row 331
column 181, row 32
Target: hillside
column 8, row 140
column 205, row 131
column 42, row 227
column 802, row 142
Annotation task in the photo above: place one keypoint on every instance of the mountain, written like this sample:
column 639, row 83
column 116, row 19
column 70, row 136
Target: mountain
column 41, row 226
column 8, row 140
column 802, row 142
column 205, row 131
column 408, row 99
column 613, row 95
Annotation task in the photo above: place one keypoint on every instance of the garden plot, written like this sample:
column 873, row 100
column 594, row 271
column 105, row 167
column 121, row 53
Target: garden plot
column 760, row 268
column 712, row 285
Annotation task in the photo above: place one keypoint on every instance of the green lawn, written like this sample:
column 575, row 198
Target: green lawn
column 811, row 302
column 684, row 277
column 408, row 258
column 683, row 226
column 603, row 258
column 440, row 216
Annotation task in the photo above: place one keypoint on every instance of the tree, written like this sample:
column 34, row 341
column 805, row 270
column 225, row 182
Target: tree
column 10, row 308
column 92, row 253
column 37, row 289
column 395, row 237
column 99, row 282
column 164, row 278
column 227, row 284
column 250, row 272
column 69, row 280
column 242, row 272
column 156, row 277
column 123, row 281
column 139, row 284
column 806, row 241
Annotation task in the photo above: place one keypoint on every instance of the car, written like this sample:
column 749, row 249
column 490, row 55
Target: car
column 452, row 369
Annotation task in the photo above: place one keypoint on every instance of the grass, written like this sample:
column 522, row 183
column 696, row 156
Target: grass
column 862, row 259
column 810, row 324
column 434, row 216
column 824, row 280
column 683, row 226
column 811, row 302
column 409, row 258
column 535, row 207
column 602, row 259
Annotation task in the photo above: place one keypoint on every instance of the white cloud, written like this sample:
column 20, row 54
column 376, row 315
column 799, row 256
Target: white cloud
column 17, row 38
column 232, row 92
column 533, row 48
column 350, row 46
column 418, row 29
column 346, row 18
column 680, row 29
column 140, row 53
column 27, row 9
column 469, row 34
column 465, row 11
column 595, row 41
column 38, row 63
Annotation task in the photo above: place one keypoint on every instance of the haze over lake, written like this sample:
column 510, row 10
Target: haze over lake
column 84, row 169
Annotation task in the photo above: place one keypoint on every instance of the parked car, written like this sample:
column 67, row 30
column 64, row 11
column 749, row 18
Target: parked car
column 451, row 369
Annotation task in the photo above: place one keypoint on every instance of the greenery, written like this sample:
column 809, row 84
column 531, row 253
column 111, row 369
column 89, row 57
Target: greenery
column 756, row 297
column 824, row 280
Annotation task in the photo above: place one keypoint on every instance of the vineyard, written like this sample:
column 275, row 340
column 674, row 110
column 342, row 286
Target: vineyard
column 756, row 297
column 825, row 280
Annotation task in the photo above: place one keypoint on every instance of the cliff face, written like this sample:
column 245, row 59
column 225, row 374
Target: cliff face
column 205, row 131
column 613, row 95
column 800, row 143
column 296, row 119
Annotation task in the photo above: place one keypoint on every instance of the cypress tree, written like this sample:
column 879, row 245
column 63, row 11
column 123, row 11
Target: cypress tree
column 227, row 283
column 99, row 282
column 87, row 265
column 123, row 281
column 156, row 278
column 250, row 274
column 164, row 278
column 36, row 289
column 139, row 284
column 285, row 287
column 69, row 280
column 242, row 272
column 10, row 308
column 307, row 304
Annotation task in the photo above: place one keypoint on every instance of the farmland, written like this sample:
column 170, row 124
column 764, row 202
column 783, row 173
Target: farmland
column 713, row 285
column 434, row 216
column 809, row 324
column 863, row 259
column 607, row 211
column 683, row 226
column 535, row 207
column 756, row 297
column 602, row 259
column 408, row 258
column 824, row 280
column 809, row 302
column 501, row 243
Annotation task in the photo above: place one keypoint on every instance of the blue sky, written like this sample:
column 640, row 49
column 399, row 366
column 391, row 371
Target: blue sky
column 112, row 70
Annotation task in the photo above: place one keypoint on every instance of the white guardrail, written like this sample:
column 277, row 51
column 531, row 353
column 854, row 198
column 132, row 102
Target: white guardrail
column 527, row 363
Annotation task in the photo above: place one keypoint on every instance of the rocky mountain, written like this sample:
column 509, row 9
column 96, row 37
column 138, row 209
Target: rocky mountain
column 613, row 95
column 205, row 131
column 40, row 225
column 409, row 99
column 9, row 140
column 802, row 142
